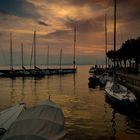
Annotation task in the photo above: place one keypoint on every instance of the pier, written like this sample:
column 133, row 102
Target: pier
column 131, row 81
column 39, row 72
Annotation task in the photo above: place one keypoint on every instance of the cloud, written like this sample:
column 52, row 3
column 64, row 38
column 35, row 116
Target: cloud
column 22, row 17
column 59, row 34
column 82, row 2
column 129, row 13
column 20, row 8
column 101, row 2
column 1, row 34
column 43, row 22
column 87, row 25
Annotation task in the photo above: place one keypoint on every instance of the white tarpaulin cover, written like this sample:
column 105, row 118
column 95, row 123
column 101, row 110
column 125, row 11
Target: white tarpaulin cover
column 41, row 122
column 8, row 116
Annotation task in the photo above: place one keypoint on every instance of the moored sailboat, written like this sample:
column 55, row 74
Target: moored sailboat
column 12, row 72
column 106, row 76
column 23, row 72
column 36, row 72
column 115, row 92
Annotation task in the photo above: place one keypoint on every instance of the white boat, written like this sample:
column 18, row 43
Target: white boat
column 117, row 93
column 120, row 95
column 104, row 78
column 41, row 122
column 8, row 116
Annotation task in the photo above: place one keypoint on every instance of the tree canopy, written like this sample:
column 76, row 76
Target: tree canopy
column 129, row 51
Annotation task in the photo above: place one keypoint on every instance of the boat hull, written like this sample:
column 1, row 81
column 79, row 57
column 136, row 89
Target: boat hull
column 119, row 95
column 125, row 103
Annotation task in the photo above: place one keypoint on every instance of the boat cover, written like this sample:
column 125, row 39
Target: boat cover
column 8, row 116
column 41, row 122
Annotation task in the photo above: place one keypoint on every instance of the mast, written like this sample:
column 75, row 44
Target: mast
column 60, row 58
column 48, row 57
column 11, row 52
column 74, row 46
column 106, row 40
column 115, row 7
column 34, row 50
column 22, row 55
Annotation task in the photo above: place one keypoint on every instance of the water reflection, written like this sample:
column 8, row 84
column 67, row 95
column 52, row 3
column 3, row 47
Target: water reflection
column 132, row 118
column 12, row 92
column 113, row 124
column 48, row 87
column 22, row 90
column 74, row 85
column 105, row 117
column 133, row 123
column 60, row 84
column 35, row 93
column 87, row 116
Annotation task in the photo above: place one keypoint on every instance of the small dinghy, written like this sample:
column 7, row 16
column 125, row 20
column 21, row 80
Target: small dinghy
column 120, row 95
column 8, row 116
column 41, row 122
column 104, row 78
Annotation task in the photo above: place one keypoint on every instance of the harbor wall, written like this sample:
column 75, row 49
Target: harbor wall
column 132, row 82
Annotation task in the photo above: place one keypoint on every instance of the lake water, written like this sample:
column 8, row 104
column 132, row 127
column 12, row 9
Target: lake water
column 87, row 115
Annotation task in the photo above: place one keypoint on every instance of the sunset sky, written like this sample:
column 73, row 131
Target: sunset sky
column 54, row 21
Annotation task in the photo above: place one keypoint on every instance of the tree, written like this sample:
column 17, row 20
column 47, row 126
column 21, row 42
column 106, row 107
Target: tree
column 129, row 51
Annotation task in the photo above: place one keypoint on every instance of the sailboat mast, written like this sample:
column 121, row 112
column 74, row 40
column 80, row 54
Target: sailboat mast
column 48, row 56
column 22, row 54
column 106, row 40
column 11, row 52
column 114, row 30
column 74, row 46
column 114, row 40
column 60, row 58
column 34, row 49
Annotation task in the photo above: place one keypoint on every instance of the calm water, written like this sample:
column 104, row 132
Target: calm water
column 87, row 115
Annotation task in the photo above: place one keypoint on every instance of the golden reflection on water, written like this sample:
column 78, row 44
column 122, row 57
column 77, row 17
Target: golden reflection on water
column 87, row 115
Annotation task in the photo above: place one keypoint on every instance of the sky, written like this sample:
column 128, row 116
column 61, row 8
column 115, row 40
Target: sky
column 54, row 21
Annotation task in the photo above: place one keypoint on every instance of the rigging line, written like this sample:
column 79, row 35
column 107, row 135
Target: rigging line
column 31, row 54
column 47, row 57
column 74, row 45
column 110, row 16
column 60, row 63
column 4, row 56
column 120, row 30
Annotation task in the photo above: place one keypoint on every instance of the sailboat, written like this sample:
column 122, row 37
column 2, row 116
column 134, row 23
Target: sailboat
column 36, row 72
column 41, row 122
column 61, row 71
column 47, row 71
column 12, row 72
column 106, row 76
column 23, row 72
column 74, row 45
column 117, row 93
